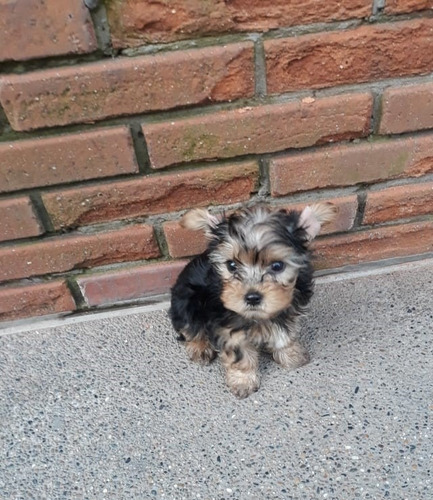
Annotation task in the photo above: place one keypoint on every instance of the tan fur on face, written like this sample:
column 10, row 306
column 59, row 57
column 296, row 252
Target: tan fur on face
column 254, row 263
column 254, row 274
column 276, row 298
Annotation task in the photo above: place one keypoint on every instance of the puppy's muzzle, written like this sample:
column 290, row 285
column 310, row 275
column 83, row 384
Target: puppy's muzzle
column 253, row 298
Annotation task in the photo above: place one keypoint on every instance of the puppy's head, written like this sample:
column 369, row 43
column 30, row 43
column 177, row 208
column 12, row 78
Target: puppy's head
column 258, row 254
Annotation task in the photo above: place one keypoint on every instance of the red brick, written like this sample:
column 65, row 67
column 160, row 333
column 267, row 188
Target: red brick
column 64, row 253
column 127, row 86
column 66, row 158
column 152, row 195
column 407, row 108
column 40, row 29
column 184, row 242
column 261, row 129
column 41, row 299
column 399, row 202
column 363, row 54
column 132, row 284
column 135, row 22
column 17, row 219
column 351, row 164
column 402, row 6
column 374, row 244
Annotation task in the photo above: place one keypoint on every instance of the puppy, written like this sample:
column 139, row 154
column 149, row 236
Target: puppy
column 247, row 291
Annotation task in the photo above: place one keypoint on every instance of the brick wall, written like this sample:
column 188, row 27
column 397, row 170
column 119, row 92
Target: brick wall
column 115, row 120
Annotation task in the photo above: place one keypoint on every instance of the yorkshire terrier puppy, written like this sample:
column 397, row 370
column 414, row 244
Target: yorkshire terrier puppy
column 247, row 291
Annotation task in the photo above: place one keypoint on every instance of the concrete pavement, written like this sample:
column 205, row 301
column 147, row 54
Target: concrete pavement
column 109, row 407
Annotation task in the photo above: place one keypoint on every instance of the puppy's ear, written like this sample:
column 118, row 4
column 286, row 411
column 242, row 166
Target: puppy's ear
column 199, row 219
column 314, row 216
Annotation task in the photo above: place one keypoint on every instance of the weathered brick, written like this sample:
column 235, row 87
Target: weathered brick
column 183, row 242
column 126, row 86
column 152, row 195
column 407, row 108
column 399, row 202
column 40, row 29
column 403, row 6
column 66, row 158
column 135, row 22
column 17, row 219
column 351, row 164
column 374, row 244
column 59, row 254
column 261, row 129
column 42, row 299
column 132, row 284
column 362, row 54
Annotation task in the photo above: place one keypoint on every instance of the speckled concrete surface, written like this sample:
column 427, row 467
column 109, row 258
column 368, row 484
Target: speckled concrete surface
column 111, row 408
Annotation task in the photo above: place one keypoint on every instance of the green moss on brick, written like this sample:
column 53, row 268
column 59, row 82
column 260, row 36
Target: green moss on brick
column 399, row 164
column 195, row 146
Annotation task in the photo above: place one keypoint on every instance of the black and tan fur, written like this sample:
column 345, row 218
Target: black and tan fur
column 247, row 291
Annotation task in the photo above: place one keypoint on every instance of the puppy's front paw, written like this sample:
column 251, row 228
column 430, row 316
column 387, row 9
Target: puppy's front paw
column 291, row 357
column 242, row 384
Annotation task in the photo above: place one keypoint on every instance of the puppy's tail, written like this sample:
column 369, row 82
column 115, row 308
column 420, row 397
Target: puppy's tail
column 314, row 216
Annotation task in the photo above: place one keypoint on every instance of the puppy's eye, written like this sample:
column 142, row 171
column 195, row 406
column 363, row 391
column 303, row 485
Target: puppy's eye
column 277, row 266
column 231, row 266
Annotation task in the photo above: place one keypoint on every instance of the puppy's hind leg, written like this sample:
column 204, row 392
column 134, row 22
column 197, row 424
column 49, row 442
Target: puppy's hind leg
column 292, row 356
column 286, row 348
column 199, row 349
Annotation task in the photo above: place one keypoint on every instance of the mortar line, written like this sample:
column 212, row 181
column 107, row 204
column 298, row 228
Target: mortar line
column 264, row 188
column 100, row 25
column 76, row 293
column 41, row 212
column 140, row 148
column 161, row 240
column 376, row 112
column 260, row 68
column 359, row 216
column 378, row 7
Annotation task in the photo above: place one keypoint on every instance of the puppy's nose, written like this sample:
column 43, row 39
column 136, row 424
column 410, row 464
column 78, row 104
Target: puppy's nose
column 253, row 298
